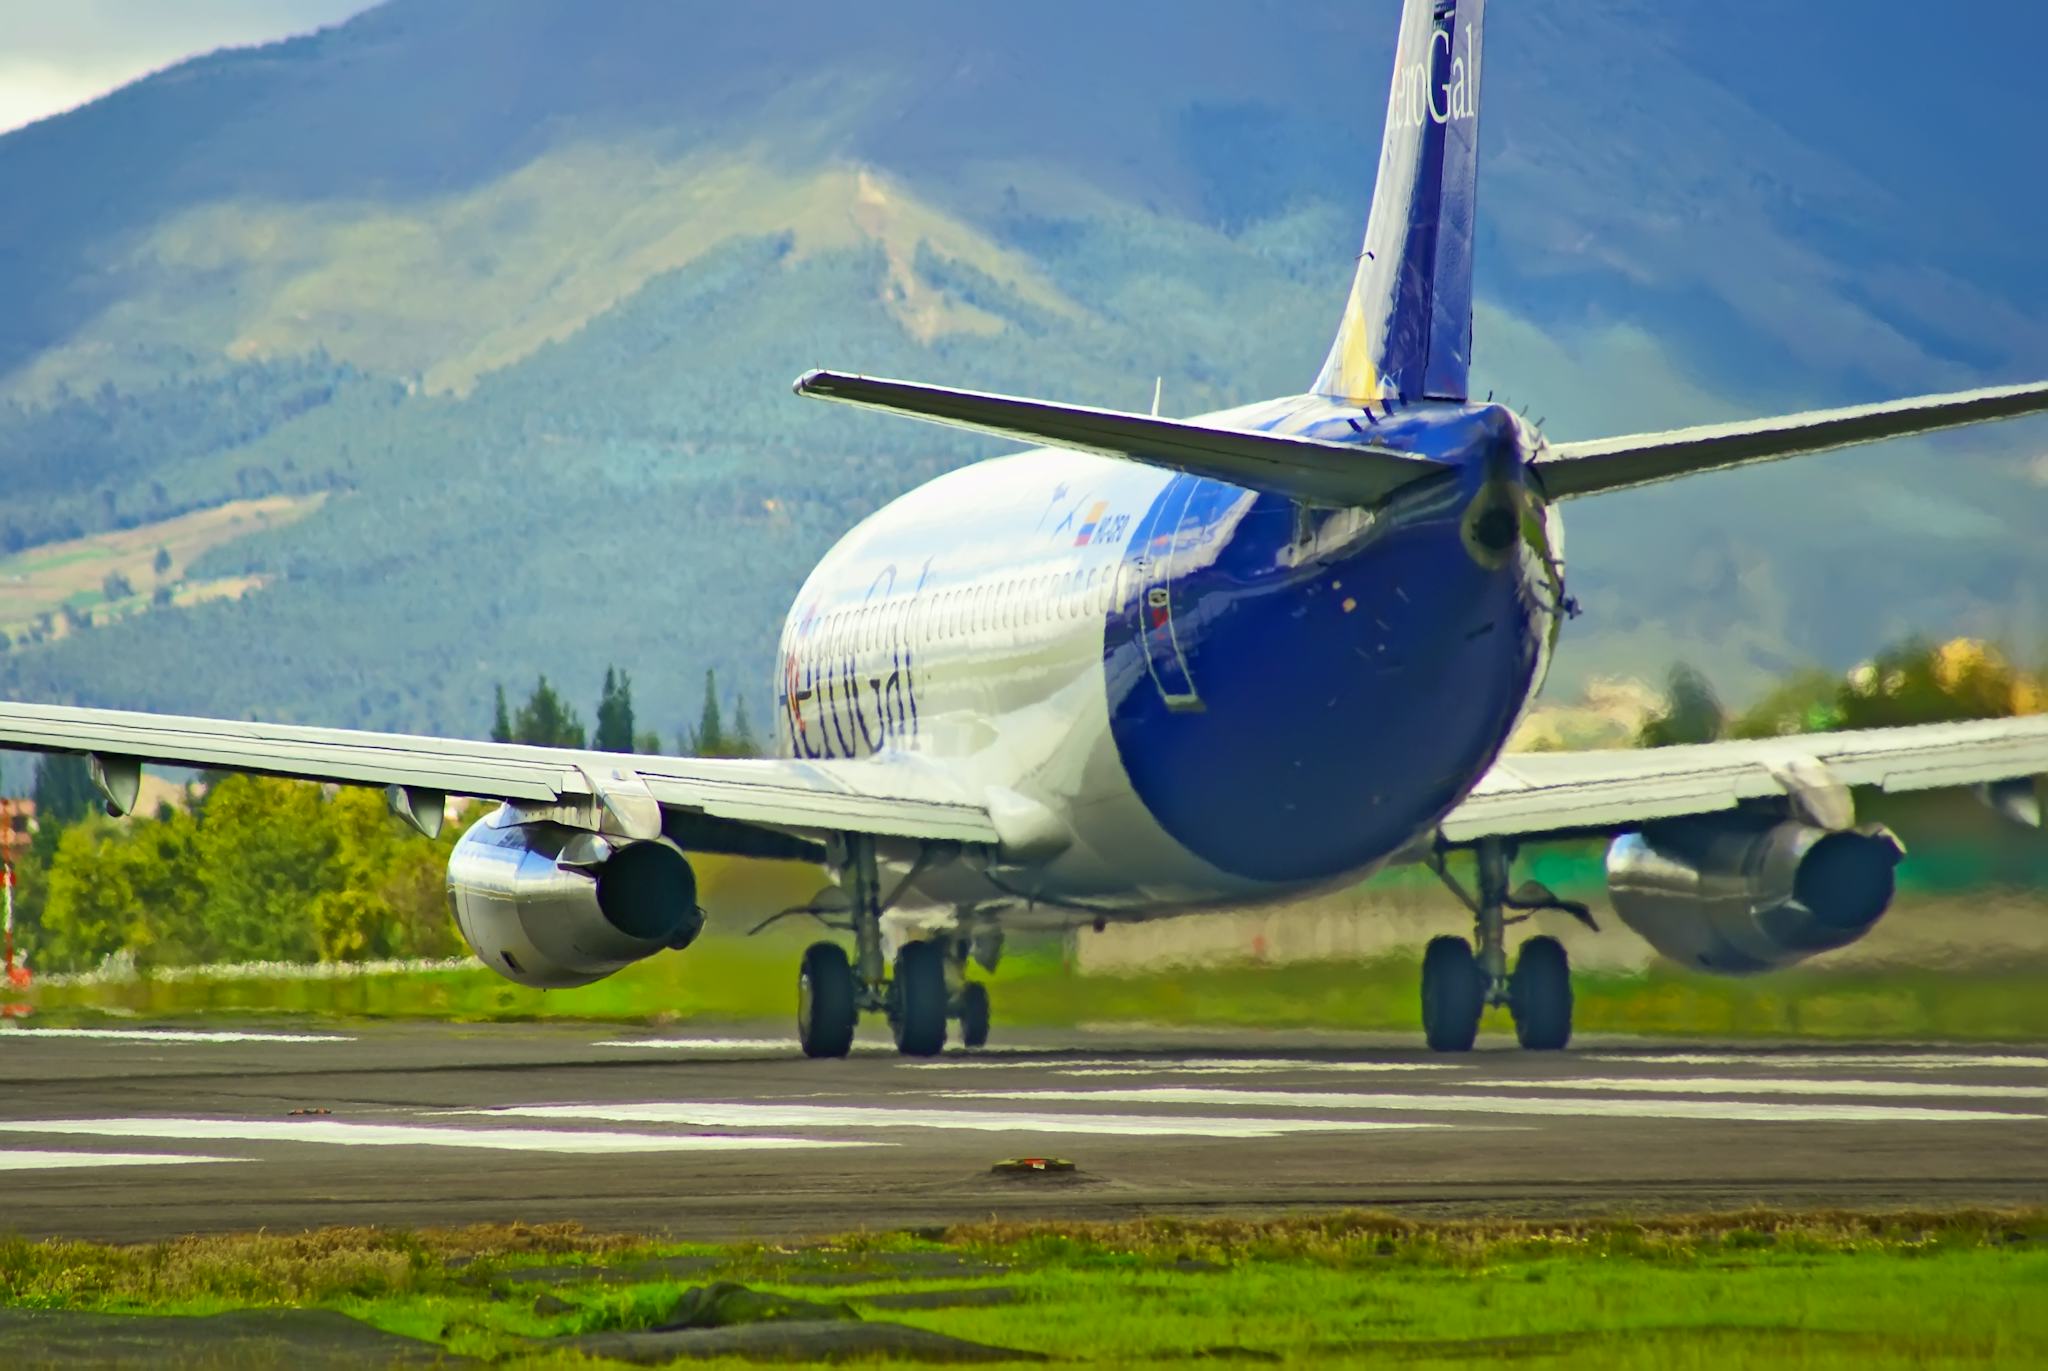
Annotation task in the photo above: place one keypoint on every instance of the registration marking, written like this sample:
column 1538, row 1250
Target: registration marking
column 727, row 1115
column 1745, row 1111
column 414, row 1135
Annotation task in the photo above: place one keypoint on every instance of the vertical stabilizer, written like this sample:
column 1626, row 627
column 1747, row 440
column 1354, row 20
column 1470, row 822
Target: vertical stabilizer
column 1407, row 329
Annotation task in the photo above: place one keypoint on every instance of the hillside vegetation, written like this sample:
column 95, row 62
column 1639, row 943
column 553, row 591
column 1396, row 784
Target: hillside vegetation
column 519, row 290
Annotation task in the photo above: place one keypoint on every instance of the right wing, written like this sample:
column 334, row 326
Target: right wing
column 889, row 797
column 1554, row 794
column 1308, row 469
column 1571, row 469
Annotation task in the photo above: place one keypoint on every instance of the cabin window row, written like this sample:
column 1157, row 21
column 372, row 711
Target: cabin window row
column 943, row 614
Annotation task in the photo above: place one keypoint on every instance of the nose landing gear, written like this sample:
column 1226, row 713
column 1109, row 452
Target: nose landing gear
column 1460, row 980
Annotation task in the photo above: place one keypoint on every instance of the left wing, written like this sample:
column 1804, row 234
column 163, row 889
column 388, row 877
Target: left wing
column 1536, row 794
column 892, row 797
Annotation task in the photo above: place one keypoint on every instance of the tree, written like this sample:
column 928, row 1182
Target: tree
column 1692, row 713
column 707, row 739
column 546, row 720
column 501, row 721
column 742, row 743
column 648, row 742
column 615, row 713
column 161, row 562
column 64, row 794
column 116, row 586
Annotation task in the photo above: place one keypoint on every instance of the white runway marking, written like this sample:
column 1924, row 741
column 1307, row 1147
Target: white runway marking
column 1744, row 1111
column 1882, row 1061
column 177, row 1035
column 412, row 1135
column 1194, row 1066
column 33, row 1160
column 721, row 1115
column 724, row 1045
column 1771, row 1085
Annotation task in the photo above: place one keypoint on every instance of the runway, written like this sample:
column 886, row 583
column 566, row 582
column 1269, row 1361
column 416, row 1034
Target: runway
column 138, row 1132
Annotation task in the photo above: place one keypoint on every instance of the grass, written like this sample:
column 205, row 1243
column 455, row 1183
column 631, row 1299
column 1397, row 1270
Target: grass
column 1806, row 1289
column 729, row 978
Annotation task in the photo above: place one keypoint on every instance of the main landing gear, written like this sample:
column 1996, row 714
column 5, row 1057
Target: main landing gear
column 926, row 987
column 1460, row 978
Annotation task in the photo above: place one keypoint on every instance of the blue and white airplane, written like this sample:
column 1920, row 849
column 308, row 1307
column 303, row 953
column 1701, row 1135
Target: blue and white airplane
column 1157, row 664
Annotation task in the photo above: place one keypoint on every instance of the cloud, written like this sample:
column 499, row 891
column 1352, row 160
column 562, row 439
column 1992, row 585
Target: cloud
column 56, row 57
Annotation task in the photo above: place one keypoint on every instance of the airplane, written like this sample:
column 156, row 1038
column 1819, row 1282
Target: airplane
column 1154, row 665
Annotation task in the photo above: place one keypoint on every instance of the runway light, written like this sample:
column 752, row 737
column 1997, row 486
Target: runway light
column 1023, row 1166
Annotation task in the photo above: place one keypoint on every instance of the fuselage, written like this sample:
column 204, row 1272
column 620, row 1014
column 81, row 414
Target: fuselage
column 1174, row 691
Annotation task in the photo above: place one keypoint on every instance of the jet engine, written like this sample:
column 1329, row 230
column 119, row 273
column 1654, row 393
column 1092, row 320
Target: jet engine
column 1735, row 894
column 555, row 907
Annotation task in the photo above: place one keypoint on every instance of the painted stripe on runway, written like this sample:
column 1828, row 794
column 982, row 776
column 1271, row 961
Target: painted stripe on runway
column 1882, row 1061
column 724, row 1045
column 725, row 1115
column 177, row 1035
column 1194, row 1066
column 413, row 1135
column 34, row 1160
column 1772, row 1085
column 1746, row 1111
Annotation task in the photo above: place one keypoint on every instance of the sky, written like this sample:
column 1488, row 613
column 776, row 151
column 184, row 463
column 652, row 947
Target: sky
column 58, row 54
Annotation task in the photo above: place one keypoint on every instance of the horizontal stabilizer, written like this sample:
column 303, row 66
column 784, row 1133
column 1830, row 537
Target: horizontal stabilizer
column 1306, row 469
column 1571, row 469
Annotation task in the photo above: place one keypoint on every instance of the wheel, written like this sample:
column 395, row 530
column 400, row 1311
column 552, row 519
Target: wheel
column 974, row 1014
column 1540, row 995
column 825, row 1010
column 1453, row 993
column 917, row 1000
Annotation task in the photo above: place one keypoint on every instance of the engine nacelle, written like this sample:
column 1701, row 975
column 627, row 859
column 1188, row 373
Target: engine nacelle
column 1735, row 894
column 555, row 907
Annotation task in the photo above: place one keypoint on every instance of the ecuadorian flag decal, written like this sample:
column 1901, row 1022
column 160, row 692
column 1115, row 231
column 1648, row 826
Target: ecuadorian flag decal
column 1089, row 524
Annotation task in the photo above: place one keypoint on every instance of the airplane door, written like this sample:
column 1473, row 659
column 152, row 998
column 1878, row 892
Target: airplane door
column 1175, row 522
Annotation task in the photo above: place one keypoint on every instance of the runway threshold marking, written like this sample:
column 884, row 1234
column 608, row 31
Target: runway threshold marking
column 33, row 1159
column 177, row 1035
column 1744, row 1111
column 416, row 1135
column 1773, row 1085
column 729, row 1115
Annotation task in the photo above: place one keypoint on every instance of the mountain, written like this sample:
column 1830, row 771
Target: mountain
column 519, row 287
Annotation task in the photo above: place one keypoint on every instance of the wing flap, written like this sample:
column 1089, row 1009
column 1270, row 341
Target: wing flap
column 1306, row 469
column 1590, row 468
column 1536, row 793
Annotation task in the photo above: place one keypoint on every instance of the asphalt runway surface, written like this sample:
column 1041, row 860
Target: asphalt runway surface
column 141, row 1132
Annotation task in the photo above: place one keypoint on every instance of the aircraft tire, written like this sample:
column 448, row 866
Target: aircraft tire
column 918, row 999
column 974, row 1015
column 825, row 1008
column 1453, row 994
column 1540, row 995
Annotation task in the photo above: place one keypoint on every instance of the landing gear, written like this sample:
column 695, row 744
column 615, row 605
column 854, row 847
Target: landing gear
column 918, row 1000
column 974, row 1015
column 827, row 1003
column 1453, row 994
column 1460, row 979
column 927, row 985
column 1540, row 995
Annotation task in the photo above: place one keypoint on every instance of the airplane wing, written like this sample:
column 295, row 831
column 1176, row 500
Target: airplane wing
column 892, row 797
column 1590, row 468
column 1307, row 469
column 1538, row 794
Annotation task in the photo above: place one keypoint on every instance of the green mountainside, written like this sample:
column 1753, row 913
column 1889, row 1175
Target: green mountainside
column 521, row 287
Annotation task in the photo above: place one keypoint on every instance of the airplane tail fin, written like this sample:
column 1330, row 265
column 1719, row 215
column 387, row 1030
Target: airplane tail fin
column 1407, row 328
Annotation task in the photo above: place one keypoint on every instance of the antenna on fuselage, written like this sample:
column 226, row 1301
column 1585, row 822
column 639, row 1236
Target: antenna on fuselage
column 1158, row 386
